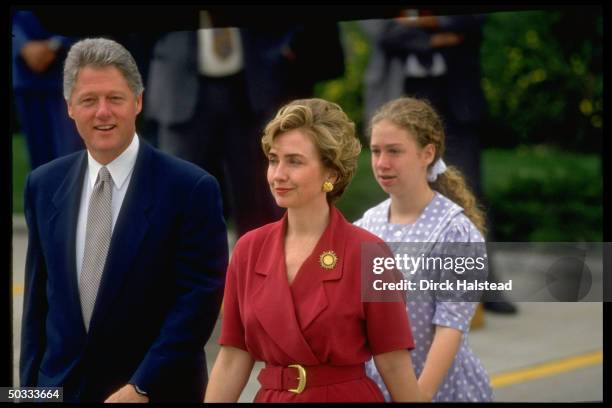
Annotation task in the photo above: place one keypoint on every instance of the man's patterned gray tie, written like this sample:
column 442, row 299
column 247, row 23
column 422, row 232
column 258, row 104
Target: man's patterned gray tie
column 97, row 241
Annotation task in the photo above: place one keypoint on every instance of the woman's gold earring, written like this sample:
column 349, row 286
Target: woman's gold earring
column 328, row 186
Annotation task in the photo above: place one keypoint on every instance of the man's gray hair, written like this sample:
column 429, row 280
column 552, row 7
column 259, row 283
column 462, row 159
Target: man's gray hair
column 100, row 53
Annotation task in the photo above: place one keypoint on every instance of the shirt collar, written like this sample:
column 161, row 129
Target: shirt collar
column 119, row 168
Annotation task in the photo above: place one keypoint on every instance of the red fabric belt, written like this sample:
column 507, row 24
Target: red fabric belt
column 273, row 377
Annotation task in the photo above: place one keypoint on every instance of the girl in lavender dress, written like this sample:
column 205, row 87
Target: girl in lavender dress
column 429, row 203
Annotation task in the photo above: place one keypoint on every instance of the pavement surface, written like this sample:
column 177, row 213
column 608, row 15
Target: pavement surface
column 548, row 352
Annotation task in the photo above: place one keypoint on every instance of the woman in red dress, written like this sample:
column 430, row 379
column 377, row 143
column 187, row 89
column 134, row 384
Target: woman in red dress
column 293, row 288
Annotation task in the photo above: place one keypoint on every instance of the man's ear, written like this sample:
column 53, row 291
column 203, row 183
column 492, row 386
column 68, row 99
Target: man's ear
column 69, row 109
column 139, row 103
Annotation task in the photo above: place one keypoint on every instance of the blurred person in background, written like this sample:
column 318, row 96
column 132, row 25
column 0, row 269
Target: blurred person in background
column 38, row 56
column 211, row 91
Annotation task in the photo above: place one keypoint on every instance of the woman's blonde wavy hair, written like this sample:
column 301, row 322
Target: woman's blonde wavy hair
column 331, row 130
column 418, row 117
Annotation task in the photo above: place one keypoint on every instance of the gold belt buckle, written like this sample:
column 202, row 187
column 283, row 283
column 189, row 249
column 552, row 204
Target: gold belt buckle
column 301, row 378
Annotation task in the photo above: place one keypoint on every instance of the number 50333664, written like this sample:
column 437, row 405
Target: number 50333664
column 31, row 393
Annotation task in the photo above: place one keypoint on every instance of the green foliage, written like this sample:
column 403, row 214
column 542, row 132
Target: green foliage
column 533, row 194
column 543, row 81
column 363, row 192
column 542, row 76
column 347, row 90
column 21, row 167
column 541, row 194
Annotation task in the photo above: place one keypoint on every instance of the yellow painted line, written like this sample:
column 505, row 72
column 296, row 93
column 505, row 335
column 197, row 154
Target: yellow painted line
column 546, row 369
column 17, row 289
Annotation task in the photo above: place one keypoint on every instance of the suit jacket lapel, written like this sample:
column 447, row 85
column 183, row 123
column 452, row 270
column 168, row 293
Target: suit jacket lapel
column 63, row 222
column 130, row 229
column 272, row 301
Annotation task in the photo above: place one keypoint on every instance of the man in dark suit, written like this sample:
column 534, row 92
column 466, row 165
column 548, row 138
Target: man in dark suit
column 211, row 91
column 126, row 255
column 37, row 90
